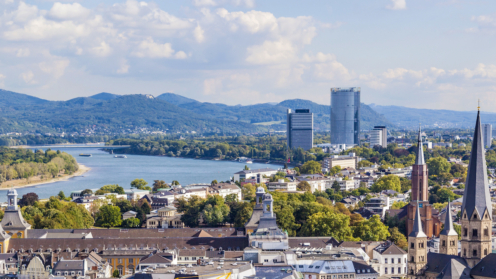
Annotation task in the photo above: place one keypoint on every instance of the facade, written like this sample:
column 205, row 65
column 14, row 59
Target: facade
column 257, row 174
column 13, row 223
column 345, row 115
column 224, row 190
column 378, row 136
column 390, row 260
column 448, row 239
column 344, row 161
column 476, row 211
column 378, row 205
column 487, row 135
column 281, row 185
column 417, row 248
column 166, row 217
column 300, row 129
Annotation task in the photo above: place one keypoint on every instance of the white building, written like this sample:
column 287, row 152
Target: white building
column 135, row 194
column 257, row 174
column 390, row 260
column 378, row 205
column 281, row 185
column 487, row 135
column 225, row 189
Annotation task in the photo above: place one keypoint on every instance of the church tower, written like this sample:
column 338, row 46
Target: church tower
column 419, row 195
column 476, row 210
column 417, row 249
column 13, row 223
column 448, row 242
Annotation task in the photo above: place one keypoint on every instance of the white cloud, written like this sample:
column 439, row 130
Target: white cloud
column 55, row 68
column 28, row 77
column 68, row 11
column 397, row 5
column 212, row 86
column 23, row 52
column 2, row 80
column 199, row 3
column 24, row 12
column 102, row 50
column 148, row 48
column 271, row 52
column 124, row 68
column 199, row 34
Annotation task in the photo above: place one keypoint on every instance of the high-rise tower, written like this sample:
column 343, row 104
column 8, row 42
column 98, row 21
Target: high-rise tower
column 417, row 248
column 448, row 242
column 420, row 174
column 476, row 219
column 345, row 115
column 300, row 129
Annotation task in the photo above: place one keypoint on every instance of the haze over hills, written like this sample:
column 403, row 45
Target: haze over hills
column 431, row 118
column 111, row 113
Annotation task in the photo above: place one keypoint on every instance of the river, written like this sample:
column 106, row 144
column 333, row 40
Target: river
column 105, row 169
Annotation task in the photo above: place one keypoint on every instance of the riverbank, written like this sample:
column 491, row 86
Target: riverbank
column 38, row 180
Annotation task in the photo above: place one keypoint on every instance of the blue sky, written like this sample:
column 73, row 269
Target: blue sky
column 422, row 53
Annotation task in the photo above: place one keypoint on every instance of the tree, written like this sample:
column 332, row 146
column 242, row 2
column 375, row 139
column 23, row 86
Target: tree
column 303, row 186
column 61, row 195
column 214, row 182
column 311, row 167
column 335, row 170
column 328, row 224
column 398, row 205
column 248, row 191
column 116, row 274
column 113, row 188
column 109, row 216
column 371, row 230
column 140, row 183
column 159, row 184
column 438, row 165
column 86, row 192
column 131, row 223
column 398, row 238
column 364, row 164
column 146, row 207
column 388, row 182
column 28, row 199
column 243, row 214
column 215, row 215
column 406, row 184
column 458, row 170
column 446, row 195
column 124, row 205
column 286, row 220
column 175, row 183
column 336, row 187
column 246, row 167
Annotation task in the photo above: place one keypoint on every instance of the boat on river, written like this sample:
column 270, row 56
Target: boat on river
column 85, row 155
column 120, row 156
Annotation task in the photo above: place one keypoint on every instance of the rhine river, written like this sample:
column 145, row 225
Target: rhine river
column 105, row 169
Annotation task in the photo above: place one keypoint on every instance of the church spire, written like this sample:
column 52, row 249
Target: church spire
column 420, row 150
column 417, row 225
column 448, row 223
column 476, row 196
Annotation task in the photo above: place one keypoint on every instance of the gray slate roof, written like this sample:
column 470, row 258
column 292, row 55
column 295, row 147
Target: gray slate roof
column 448, row 223
column 486, row 267
column 417, row 225
column 476, row 196
column 13, row 220
column 445, row 263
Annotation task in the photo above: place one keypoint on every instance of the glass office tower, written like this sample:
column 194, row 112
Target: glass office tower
column 300, row 129
column 345, row 115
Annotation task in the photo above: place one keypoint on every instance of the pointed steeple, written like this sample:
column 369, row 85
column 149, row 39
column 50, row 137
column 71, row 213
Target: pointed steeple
column 448, row 223
column 417, row 225
column 476, row 196
column 420, row 150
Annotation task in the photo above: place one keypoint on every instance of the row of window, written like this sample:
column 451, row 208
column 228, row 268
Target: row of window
column 474, row 252
column 392, row 260
column 475, row 232
column 392, row 270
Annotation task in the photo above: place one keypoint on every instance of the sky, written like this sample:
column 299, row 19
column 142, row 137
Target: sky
column 437, row 54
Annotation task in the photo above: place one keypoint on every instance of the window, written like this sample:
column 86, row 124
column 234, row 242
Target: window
column 405, row 270
column 385, row 260
column 186, row 258
column 274, row 260
column 266, row 261
column 119, row 261
column 412, row 245
column 444, row 243
column 474, row 233
column 413, row 259
column 131, row 261
column 399, row 260
column 392, row 260
column 392, row 270
column 399, row 270
column 193, row 258
column 485, row 252
column 385, row 270
column 464, row 252
column 486, row 232
column 465, row 231
column 474, row 253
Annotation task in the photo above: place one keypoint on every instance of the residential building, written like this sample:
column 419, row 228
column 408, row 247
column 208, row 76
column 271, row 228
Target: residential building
column 317, row 269
column 71, row 268
column 300, row 129
column 378, row 205
column 129, row 214
column 135, row 194
column 36, row 268
column 344, row 161
column 345, row 115
column 347, row 184
column 317, row 183
column 390, row 260
column 281, row 185
column 487, row 135
column 225, row 189
column 257, row 174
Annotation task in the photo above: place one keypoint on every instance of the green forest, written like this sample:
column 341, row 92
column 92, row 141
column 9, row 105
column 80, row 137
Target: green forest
column 16, row 163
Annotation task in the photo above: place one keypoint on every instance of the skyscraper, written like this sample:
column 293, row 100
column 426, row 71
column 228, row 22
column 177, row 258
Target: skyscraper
column 487, row 135
column 345, row 115
column 300, row 129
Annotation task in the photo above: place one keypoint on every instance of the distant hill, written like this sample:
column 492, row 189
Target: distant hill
column 104, row 96
column 431, row 118
column 175, row 99
column 111, row 113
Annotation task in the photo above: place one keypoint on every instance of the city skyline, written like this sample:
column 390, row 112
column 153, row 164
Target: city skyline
column 243, row 51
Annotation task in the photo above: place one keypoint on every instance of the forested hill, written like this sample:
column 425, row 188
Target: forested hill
column 111, row 113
